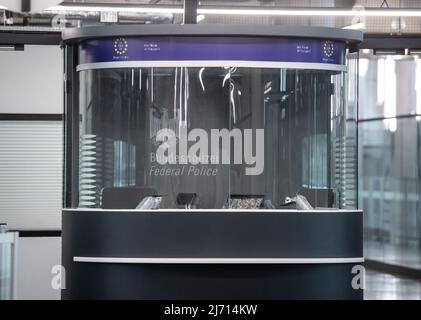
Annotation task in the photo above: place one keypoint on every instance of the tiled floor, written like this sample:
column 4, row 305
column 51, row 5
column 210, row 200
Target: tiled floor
column 382, row 286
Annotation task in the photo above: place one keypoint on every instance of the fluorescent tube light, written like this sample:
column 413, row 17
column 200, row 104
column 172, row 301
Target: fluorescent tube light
column 11, row 47
column 265, row 11
column 7, row 48
column 66, row 8
column 366, row 12
column 355, row 26
column 2, row 7
column 380, row 81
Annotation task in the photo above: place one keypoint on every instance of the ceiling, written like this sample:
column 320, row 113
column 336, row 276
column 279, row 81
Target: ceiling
column 372, row 25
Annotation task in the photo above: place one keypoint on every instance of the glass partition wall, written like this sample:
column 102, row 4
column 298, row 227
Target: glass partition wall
column 390, row 158
column 215, row 122
column 8, row 265
column 217, row 134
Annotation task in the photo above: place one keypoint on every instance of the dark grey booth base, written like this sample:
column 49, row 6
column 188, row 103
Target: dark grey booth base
column 155, row 235
column 212, row 282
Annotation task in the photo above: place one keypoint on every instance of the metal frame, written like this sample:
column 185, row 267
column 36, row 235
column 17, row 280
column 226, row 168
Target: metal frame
column 190, row 11
column 388, row 42
column 29, row 38
column 212, row 63
column 217, row 260
column 12, row 238
column 31, row 117
column 39, row 233
column 90, row 210
column 26, row 5
column 71, row 136
column 75, row 35
column 15, row 265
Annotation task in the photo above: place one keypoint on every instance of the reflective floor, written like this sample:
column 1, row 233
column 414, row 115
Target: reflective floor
column 393, row 254
column 382, row 286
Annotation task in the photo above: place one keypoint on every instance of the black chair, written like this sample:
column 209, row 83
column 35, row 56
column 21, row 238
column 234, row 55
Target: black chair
column 125, row 197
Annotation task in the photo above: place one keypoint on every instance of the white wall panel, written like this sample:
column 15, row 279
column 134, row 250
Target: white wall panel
column 36, row 259
column 31, row 81
column 31, row 162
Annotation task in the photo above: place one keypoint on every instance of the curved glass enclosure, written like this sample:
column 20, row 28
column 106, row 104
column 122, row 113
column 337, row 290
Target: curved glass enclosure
column 216, row 133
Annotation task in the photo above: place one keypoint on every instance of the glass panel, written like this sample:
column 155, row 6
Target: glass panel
column 6, row 265
column 266, row 135
column 390, row 190
column 390, row 158
column 294, row 107
column 123, row 111
column 379, row 89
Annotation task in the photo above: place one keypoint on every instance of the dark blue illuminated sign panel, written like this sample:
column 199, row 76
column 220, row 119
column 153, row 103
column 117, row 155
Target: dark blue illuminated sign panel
column 212, row 49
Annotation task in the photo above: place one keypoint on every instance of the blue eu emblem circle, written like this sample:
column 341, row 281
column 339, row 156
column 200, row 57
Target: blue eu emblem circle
column 328, row 49
column 120, row 46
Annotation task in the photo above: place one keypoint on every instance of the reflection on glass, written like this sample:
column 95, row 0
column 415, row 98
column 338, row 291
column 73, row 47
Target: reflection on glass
column 390, row 157
column 390, row 190
column 307, row 145
column 6, row 265
column 381, row 95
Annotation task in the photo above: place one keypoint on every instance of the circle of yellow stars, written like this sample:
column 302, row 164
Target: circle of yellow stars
column 117, row 46
column 328, row 49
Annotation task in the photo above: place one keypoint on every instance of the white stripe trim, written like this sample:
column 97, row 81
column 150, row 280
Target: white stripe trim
column 211, row 63
column 222, row 211
column 219, row 260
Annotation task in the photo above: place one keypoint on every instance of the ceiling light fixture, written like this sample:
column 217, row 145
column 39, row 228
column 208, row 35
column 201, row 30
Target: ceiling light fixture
column 268, row 11
column 355, row 26
column 366, row 12
column 137, row 9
